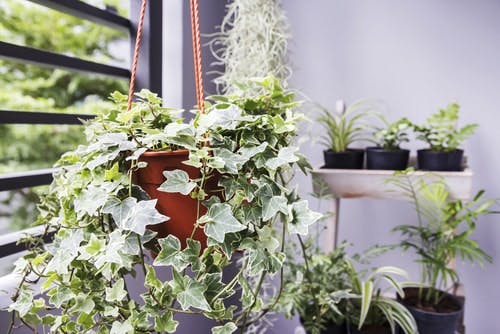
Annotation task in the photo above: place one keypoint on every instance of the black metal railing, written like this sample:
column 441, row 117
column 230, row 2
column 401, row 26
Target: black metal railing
column 149, row 76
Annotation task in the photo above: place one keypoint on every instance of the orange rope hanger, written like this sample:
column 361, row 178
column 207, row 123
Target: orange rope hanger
column 198, row 72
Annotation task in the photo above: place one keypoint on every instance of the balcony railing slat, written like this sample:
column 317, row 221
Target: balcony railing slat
column 13, row 181
column 88, row 12
column 51, row 59
column 28, row 117
column 9, row 242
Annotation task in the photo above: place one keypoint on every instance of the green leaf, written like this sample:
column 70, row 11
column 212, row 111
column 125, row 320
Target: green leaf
column 366, row 300
column 232, row 161
column 113, row 174
column 228, row 328
column 249, row 152
column 83, row 303
column 117, row 292
column 285, row 156
column 90, row 200
column 122, row 328
column 86, row 320
column 59, row 295
column 166, row 323
column 151, row 280
column 177, row 181
column 23, row 303
column 192, row 296
column 271, row 206
column 170, row 254
column 219, row 221
column 134, row 216
column 303, row 217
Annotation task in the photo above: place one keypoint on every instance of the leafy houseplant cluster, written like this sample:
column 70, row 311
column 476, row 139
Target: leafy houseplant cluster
column 101, row 219
column 440, row 132
column 442, row 234
column 331, row 296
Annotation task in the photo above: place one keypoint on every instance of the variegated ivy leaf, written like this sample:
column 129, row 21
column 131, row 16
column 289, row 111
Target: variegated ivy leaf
column 228, row 328
column 113, row 253
column 23, row 303
column 134, row 216
column 227, row 118
column 285, row 156
column 122, row 328
column 232, row 161
column 219, row 221
column 303, row 217
column 193, row 296
column 272, row 205
column 166, row 323
column 117, row 292
column 137, row 153
column 177, row 181
column 170, row 254
column 249, row 152
column 83, row 304
column 90, row 200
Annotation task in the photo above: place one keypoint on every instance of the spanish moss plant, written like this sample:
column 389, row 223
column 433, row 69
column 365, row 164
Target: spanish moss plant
column 252, row 42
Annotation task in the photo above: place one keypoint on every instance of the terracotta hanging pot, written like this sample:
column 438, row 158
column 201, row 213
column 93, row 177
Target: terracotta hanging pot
column 182, row 209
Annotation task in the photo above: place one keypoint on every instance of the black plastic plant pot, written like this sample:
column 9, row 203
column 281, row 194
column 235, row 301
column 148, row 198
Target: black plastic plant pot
column 332, row 329
column 350, row 159
column 379, row 158
column 440, row 161
column 371, row 329
column 429, row 322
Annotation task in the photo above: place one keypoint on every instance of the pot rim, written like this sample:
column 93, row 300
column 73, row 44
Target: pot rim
column 165, row 153
column 349, row 150
column 428, row 150
column 448, row 295
column 380, row 149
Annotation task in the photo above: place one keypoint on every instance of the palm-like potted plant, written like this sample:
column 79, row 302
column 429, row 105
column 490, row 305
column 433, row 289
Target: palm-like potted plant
column 388, row 154
column 444, row 138
column 100, row 218
column 343, row 128
column 443, row 233
column 332, row 297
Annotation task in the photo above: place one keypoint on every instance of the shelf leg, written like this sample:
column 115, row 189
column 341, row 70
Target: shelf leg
column 332, row 227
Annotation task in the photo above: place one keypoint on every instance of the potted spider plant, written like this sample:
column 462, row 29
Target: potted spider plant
column 388, row 155
column 332, row 296
column 100, row 217
column 442, row 234
column 444, row 139
column 343, row 128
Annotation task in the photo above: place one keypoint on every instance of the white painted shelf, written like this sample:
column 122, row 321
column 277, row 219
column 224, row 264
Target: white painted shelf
column 356, row 183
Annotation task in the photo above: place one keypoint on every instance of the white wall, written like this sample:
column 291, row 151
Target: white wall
column 417, row 56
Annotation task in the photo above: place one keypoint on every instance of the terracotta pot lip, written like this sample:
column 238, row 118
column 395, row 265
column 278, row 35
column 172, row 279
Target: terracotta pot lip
column 428, row 150
column 165, row 153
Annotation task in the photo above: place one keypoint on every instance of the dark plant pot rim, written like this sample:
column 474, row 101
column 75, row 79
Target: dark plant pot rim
column 381, row 149
column 447, row 294
column 346, row 151
column 428, row 150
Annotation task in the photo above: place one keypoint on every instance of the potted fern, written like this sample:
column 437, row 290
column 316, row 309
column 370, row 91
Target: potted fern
column 101, row 219
column 444, row 139
column 442, row 234
column 343, row 128
column 388, row 154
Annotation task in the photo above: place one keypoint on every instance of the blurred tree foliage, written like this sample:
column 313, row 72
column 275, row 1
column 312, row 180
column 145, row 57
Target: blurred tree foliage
column 32, row 88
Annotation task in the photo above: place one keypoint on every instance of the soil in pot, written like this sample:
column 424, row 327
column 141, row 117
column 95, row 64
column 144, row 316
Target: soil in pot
column 182, row 209
column 431, row 319
column 440, row 161
column 379, row 158
column 350, row 159
column 334, row 329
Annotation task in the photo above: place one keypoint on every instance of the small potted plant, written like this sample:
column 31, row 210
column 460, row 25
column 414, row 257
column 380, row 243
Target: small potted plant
column 442, row 233
column 444, row 139
column 332, row 297
column 343, row 128
column 388, row 155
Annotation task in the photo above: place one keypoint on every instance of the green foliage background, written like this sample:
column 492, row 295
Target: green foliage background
column 32, row 88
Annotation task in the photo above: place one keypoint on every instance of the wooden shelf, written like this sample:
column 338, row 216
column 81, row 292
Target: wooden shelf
column 357, row 183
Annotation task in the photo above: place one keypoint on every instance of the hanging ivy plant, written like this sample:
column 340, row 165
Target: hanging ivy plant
column 100, row 219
